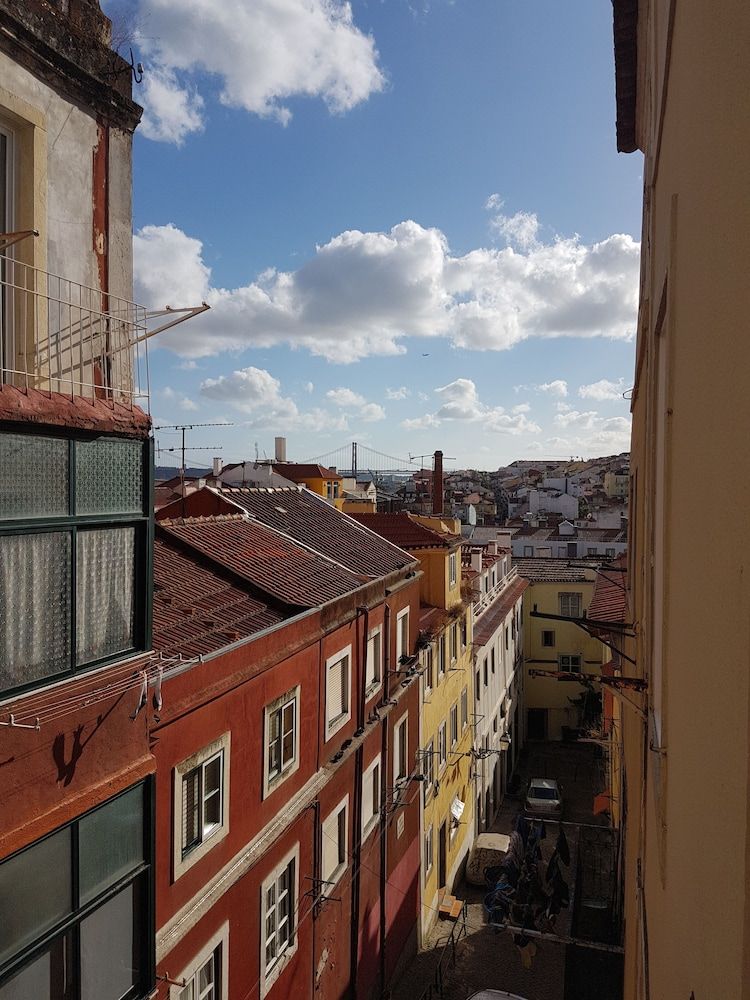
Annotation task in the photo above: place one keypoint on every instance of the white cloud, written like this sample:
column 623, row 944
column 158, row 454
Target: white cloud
column 602, row 390
column 558, row 387
column 261, row 53
column 171, row 111
column 184, row 402
column 257, row 393
column 309, row 388
column 521, row 408
column 573, row 418
column 459, row 401
column 347, row 399
column 589, row 433
column 362, row 293
column 401, row 393
column 520, row 230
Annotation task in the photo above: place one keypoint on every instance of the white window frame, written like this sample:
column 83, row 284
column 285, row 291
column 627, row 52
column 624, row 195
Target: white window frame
column 190, row 973
column 452, row 571
column 272, row 782
column 464, row 709
column 181, row 864
column 333, row 725
column 398, row 764
column 454, row 724
column 374, row 677
column 442, row 746
column 371, row 816
column 570, row 656
column 400, row 651
column 429, row 852
column 428, row 769
column 568, row 599
column 271, row 973
column 330, row 832
column 454, row 643
column 428, row 674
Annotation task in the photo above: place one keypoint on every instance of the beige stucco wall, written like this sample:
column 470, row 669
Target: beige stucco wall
column 688, row 823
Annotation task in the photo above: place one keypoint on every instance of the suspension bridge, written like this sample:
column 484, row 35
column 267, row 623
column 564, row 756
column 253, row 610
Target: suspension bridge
column 359, row 460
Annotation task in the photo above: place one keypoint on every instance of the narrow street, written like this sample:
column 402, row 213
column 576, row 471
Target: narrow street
column 472, row 955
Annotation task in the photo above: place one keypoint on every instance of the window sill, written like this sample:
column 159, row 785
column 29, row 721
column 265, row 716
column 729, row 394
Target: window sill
column 336, row 724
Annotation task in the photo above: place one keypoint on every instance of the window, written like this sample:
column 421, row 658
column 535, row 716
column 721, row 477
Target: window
column 609, row 553
column 492, row 659
column 479, row 685
column 281, row 741
column 454, row 725
column 494, row 725
column 402, row 635
column 506, row 637
column 464, row 630
column 548, row 637
column 335, row 490
column 374, row 668
column 429, row 668
column 72, row 584
column 441, row 655
column 207, row 976
column 464, row 709
column 371, row 796
column 428, row 769
column 400, row 749
column 278, row 908
column 494, row 577
column 486, row 678
column 572, row 548
column 86, row 892
column 429, row 857
column 335, row 844
column 442, row 746
column 454, row 642
column 452, row 570
column 570, row 605
column 528, row 550
column 338, row 684
column 591, row 550
column 569, row 661
column 201, row 792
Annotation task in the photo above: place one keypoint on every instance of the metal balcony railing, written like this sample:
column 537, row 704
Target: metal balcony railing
column 62, row 336
column 483, row 601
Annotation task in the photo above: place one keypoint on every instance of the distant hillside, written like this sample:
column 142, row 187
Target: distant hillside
column 168, row 471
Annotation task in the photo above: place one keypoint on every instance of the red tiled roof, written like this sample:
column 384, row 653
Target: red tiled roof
column 309, row 520
column 56, row 409
column 540, row 569
column 164, row 495
column 197, row 609
column 405, row 531
column 491, row 620
column 297, row 471
column 265, row 559
column 609, row 603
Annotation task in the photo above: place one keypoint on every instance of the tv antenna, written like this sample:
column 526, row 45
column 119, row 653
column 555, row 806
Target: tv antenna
column 183, row 428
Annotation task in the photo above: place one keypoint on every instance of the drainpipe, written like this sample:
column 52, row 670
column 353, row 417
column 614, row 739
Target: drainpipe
column 384, row 772
column 357, row 810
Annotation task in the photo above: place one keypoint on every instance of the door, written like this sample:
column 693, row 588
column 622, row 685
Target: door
column 487, row 809
column 443, row 855
column 536, row 723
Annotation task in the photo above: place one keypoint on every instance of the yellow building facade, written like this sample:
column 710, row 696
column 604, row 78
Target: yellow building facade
column 683, row 86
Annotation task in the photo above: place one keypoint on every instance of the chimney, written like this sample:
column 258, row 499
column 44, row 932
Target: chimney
column 437, row 484
column 280, row 449
column 216, row 466
column 476, row 560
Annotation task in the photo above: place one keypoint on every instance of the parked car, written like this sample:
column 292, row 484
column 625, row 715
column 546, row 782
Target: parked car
column 495, row 995
column 487, row 852
column 544, row 797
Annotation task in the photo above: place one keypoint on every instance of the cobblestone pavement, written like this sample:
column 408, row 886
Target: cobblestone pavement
column 485, row 957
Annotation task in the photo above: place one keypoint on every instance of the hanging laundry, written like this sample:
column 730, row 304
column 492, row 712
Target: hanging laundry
column 562, row 847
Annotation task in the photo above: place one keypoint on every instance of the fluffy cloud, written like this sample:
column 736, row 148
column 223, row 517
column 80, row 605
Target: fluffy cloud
column 520, row 230
column 589, row 433
column 401, row 393
column 261, row 53
column 347, row 399
column 255, row 392
column 558, row 387
column 362, row 293
column 184, row 402
column 602, row 390
column 459, row 401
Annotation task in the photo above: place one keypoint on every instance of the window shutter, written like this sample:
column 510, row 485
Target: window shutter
column 336, row 690
column 190, row 800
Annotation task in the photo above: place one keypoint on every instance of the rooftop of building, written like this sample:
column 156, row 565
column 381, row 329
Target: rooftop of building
column 493, row 617
column 407, row 532
column 304, row 470
column 610, row 602
column 544, row 570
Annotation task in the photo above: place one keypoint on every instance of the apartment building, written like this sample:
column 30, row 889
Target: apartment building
column 682, row 82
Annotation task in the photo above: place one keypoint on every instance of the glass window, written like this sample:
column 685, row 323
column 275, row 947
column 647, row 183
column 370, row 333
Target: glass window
column 374, row 658
column 105, row 593
column 282, row 736
column 47, row 977
column 570, row 605
column 36, row 892
column 548, row 637
column 35, row 606
column 464, row 709
column 202, row 802
column 402, row 635
column 428, row 768
column 337, row 692
column 34, row 480
column 109, row 476
column 112, row 945
column 110, row 843
column 278, row 898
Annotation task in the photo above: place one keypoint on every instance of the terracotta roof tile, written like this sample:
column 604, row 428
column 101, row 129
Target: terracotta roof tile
column 609, row 603
column 543, row 570
column 304, row 470
column 309, row 520
column 197, row 609
column 264, row 558
column 57, row 409
column 493, row 617
column 405, row 531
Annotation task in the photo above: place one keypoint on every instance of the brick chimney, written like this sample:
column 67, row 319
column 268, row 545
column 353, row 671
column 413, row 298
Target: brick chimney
column 437, row 484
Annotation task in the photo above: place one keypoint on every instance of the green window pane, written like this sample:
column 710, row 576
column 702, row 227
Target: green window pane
column 47, row 977
column 110, row 843
column 33, row 476
column 35, row 600
column 109, row 477
column 105, row 593
column 113, row 945
column 35, row 892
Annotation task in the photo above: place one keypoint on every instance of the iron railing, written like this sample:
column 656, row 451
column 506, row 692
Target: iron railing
column 62, row 336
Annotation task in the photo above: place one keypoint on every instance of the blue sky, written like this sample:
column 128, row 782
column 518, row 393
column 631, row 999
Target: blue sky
column 354, row 189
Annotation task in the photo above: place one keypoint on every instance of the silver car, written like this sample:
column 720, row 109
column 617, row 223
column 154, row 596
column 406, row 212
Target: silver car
column 544, row 797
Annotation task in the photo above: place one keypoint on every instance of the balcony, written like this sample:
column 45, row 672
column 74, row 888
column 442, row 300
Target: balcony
column 483, row 601
column 61, row 336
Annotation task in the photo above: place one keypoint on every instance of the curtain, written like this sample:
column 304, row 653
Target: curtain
column 105, row 592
